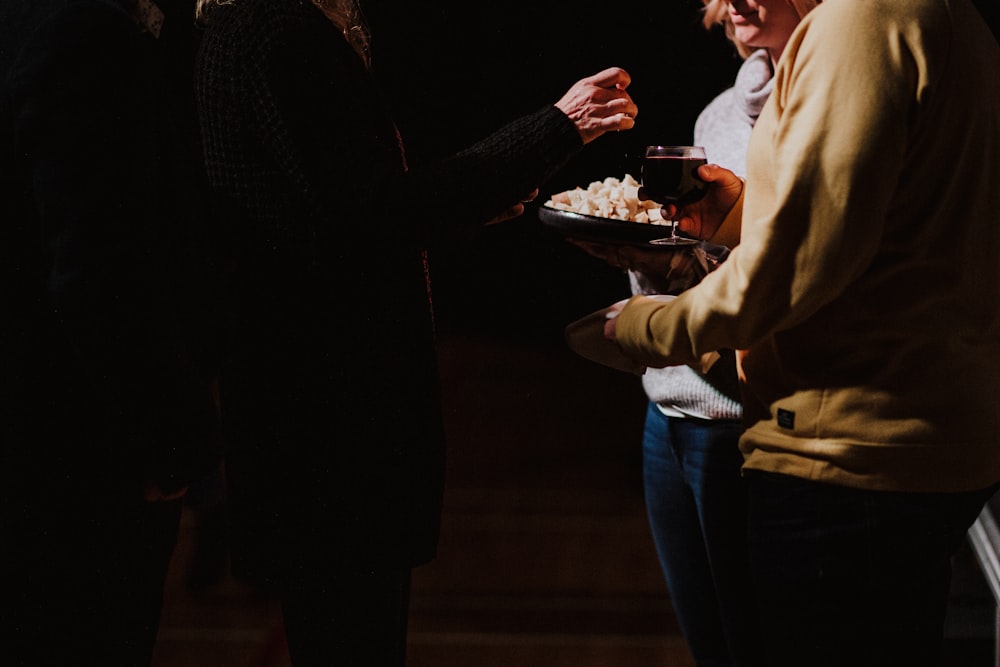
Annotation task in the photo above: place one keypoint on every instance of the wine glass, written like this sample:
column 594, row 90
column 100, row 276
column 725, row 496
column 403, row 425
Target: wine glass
column 670, row 176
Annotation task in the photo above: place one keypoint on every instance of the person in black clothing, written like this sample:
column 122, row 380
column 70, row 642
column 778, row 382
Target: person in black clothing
column 107, row 283
column 329, row 390
column 991, row 14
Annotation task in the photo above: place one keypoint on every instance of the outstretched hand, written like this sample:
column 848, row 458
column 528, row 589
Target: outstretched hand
column 702, row 218
column 599, row 104
column 515, row 210
column 610, row 324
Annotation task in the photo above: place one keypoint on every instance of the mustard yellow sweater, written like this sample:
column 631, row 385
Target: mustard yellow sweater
column 866, row 286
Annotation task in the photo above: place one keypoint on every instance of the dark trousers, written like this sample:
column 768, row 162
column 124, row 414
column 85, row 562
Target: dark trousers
column 82, row 581
column 348, row 619
column 851, row 577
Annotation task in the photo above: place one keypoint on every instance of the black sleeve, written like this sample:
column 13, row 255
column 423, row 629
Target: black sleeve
column 324, row 118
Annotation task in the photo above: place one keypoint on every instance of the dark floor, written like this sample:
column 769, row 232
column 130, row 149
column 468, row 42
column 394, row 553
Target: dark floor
column 545, row 557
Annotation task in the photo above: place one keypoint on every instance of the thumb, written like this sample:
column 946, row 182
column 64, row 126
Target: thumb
column 713, row 173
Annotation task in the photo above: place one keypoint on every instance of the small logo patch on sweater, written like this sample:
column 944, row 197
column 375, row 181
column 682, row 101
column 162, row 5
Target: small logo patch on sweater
column 786, row 418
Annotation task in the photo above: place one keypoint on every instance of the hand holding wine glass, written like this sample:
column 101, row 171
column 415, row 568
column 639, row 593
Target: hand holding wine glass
column 670, row 176
column 703, row 217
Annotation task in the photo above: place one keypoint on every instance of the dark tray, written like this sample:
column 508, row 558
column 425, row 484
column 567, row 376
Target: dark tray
column 603, row 230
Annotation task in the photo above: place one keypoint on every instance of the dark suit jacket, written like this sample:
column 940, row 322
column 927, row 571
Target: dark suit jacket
column 106, row 273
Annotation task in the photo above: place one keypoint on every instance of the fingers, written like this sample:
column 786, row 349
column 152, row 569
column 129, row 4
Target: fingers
column 618, row 123
column 599, row 104
column 692, row 226
column 710, row 173
column 614, row 108
column 597, row 124
column 611, row 329
column 513, row 212
column 622, row 112
column 621, row 102
column 612, row 77
column 701, row 219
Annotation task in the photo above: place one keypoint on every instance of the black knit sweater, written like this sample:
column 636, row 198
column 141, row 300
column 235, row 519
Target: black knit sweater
column 333, row 417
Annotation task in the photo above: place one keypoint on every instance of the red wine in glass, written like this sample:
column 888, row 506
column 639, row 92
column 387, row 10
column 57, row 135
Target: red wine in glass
column 670, row 176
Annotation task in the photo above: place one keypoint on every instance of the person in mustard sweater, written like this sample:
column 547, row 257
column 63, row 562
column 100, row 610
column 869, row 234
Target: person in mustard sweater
column 864, row 293
column 693, row 486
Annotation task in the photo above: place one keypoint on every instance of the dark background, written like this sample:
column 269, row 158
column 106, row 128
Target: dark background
column 456, row 70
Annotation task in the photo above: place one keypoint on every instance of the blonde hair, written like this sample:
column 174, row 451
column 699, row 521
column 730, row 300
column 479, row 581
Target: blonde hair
column 347, row 16
column 716, row 12
column 344, row 14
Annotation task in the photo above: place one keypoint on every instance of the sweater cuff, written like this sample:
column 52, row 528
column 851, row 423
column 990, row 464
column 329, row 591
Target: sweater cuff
column 564, row 141
column 634, row 330
column 728, row 233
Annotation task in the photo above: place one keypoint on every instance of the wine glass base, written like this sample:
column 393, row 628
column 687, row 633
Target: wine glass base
column 675, row 240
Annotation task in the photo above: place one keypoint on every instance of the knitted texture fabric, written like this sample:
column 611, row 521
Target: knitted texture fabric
column 291, row 182
column 330, row 381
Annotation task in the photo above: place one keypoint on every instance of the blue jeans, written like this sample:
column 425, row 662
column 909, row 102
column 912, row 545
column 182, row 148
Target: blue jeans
column 696, row 503
column 854, row 577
